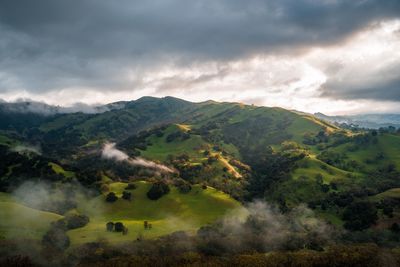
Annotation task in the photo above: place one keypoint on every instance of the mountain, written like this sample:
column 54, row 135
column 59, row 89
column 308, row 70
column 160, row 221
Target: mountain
column 236, row 153
column 369, row 121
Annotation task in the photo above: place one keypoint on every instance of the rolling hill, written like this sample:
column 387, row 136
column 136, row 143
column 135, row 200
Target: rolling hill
column 173, row 212
column 242, row 152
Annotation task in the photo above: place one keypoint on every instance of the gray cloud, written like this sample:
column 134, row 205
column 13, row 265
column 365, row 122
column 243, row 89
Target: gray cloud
column 382, row 83
column 384, row 90
column 50, row 44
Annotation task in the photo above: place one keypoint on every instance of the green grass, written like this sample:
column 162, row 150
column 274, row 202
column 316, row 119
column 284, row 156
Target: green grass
column 388, row 145
column 60, row 170
column 160, row 148
column 302, row 125
column 391, row 193
column 310, row 167
column 330, row 217
column 174, row 211
column 4, row 140
column 19, row 221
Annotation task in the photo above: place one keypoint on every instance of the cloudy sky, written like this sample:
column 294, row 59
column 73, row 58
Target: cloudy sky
column 333, row 56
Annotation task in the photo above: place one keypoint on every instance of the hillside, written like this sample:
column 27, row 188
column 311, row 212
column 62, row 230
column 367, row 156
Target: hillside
column 20, row 221
column 241, row 152
column 175, row 211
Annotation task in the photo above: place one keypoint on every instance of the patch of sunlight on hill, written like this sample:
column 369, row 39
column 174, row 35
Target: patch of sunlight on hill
column 160, row 148
column 172, row 212
column 310, row 167
column 391, row 193
column 184, row 127
column 388, row 146
column 60, row 170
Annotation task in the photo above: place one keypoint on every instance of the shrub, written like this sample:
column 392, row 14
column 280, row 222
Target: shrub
column 76, row 221
column 111, row 197
column 183, row 186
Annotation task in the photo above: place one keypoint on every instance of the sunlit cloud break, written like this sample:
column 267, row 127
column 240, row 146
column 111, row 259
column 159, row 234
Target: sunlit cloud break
column 336, row 57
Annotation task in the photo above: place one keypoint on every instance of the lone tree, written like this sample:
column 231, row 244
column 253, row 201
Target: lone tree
column 119, row 227
column 110, row 226
column 157, row 190
column 111, row 197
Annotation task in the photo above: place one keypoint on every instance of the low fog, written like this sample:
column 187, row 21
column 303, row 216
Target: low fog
column 26, row 148
column 110, row 152
column 258, row 226
column 262, row 227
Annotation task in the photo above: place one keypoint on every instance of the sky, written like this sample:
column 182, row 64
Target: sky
column 330, row 56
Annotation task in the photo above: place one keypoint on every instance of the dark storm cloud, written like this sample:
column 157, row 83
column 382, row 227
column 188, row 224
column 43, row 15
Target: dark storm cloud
column 53, row 44
column 382, row 90
column 373, row 82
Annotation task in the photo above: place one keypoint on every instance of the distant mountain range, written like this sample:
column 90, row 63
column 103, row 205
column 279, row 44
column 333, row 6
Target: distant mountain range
column 371, row 121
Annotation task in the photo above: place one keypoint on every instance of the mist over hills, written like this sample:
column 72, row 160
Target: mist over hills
column 218, row 171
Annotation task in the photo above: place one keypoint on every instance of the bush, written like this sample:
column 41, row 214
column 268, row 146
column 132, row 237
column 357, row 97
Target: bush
column 157, row 190
column 76, row 221
column 183, row 186
column 111, row 197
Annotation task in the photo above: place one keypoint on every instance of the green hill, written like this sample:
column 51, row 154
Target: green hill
column 247, row 152
column 380, row 152
column 172, row 212
column 20, row 221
